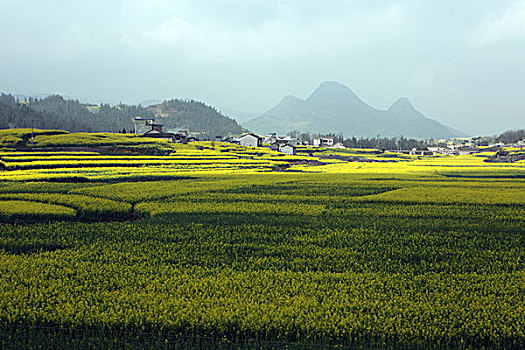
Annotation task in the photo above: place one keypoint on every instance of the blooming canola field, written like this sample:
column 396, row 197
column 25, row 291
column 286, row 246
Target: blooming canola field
column 249, row 248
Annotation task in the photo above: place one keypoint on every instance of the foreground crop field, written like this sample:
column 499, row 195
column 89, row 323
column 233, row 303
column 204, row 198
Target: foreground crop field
column 420, row 253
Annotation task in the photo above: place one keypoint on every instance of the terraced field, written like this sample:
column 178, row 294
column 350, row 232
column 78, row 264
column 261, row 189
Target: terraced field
column 215, row 245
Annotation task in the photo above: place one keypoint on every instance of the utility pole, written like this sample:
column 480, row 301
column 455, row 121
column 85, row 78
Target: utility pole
column 33, row 129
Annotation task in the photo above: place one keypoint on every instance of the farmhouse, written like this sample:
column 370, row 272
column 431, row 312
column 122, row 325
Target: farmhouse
column 273, row 138
column 158, row 134
column 250, row 140
column 440, row 150
column 420, row 152
column 143, row 125
column 278, row 142
column 148, row 128
column 323, row 142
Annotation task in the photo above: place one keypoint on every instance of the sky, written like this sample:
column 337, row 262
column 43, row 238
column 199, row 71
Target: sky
column 459, row 62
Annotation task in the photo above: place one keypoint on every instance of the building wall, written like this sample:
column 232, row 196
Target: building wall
column 141, row 127
column 288, row 150
column 248, row 141
column 322, row 142
column 327, row 142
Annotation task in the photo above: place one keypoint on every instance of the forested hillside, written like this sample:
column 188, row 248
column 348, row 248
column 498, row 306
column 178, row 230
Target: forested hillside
column 14, row 115
column 194, row 116
column 81, row 117
column 55, row 112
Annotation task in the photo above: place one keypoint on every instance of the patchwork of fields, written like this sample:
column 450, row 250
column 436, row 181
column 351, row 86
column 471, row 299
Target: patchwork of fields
column 233, row 244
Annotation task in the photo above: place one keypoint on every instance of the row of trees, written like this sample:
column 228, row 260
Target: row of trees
column 393, row 143
column 363, row 142
column 511, row 136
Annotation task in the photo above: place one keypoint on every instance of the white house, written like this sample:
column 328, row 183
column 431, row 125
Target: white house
column 288, row 149
column 273, row 138
column 250, row 140
column 323, row 142
column 439, row 150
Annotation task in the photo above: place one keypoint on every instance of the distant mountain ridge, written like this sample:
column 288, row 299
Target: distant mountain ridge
column 333, row 107
column 239, row 116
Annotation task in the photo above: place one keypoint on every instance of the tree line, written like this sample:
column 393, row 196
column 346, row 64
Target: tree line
column 363, row 142
column 55, row 112
column 511, row 136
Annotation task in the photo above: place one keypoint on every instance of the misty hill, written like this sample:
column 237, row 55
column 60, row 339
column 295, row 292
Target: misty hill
column 239, row 116
column 151, row 102
column 55, row 112
column 333, row 107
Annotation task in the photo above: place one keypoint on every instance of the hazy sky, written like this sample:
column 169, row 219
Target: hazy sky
column 460, row 62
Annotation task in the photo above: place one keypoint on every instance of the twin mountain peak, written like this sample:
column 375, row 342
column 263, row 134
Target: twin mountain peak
column 334, row 108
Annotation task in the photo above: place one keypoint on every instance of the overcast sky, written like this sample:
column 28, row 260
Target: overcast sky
column 460, row 62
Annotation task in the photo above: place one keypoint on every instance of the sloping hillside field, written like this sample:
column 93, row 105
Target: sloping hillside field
column 211, row 245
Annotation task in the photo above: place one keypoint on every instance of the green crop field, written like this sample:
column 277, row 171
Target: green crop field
column 213, row 245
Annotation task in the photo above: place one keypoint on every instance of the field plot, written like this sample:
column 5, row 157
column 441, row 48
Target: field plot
column 218, row 246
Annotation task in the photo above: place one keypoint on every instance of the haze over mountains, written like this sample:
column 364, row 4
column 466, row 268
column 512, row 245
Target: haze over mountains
column 331, row 108
column 334, row 108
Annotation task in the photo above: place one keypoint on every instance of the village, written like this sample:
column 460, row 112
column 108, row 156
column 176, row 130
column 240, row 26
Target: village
column 147, row 127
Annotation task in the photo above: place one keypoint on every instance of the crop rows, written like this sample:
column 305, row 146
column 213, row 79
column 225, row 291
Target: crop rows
column 20, row 210
column 380, row 255
column 314, row 258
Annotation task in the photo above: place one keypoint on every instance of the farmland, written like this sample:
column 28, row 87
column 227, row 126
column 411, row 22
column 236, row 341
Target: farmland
column 156, row 244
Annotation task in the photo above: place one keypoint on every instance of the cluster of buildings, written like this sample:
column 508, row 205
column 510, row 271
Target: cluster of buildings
column 463, row 146
column 284, row 144
column 281, row 144
column 148, row 128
